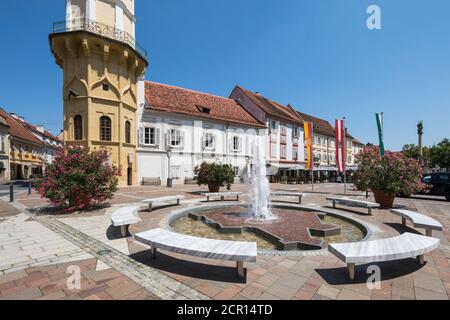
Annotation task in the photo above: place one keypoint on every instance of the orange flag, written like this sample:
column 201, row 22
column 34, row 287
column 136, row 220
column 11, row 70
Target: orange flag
column 309, row 145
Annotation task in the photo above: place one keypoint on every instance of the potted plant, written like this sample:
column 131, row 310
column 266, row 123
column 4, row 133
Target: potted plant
column 387, row 176
column 215, row 176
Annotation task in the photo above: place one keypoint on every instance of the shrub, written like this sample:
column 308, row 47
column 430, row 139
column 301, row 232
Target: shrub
column 78, row 179
column 215, row 174
column 394, row 173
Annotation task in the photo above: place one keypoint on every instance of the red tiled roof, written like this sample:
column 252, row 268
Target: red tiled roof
column 320, row 125
column 271, row 107
column 168, row 98
column 35, row 129
column 18, row 131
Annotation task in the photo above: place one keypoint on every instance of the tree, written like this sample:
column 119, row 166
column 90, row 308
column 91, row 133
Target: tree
column 78, row 179
column 440, row 154
column 412, row 151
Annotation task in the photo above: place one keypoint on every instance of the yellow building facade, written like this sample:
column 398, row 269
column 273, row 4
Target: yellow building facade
column 102, row 64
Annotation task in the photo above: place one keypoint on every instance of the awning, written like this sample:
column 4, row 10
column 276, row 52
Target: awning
column 326, row 168
column 297, row 168
column 272, row 170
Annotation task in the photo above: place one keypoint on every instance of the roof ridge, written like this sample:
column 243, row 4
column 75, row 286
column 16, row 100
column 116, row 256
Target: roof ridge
column 188, row 90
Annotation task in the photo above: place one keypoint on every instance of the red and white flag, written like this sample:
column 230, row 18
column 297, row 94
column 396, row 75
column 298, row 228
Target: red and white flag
column 340, row 145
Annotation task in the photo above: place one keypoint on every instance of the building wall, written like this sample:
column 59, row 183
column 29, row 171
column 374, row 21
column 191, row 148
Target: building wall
column 5, row 168
column 104, row 76
column 153, row 160
column 24, row 156
column 281, row 142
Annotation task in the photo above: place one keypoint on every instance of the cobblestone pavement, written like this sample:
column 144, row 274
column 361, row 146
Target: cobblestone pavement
column 317, row 275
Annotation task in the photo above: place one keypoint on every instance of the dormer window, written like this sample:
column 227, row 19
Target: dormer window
column 204, row 110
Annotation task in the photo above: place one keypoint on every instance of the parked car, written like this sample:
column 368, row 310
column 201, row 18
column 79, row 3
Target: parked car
column 439, row 184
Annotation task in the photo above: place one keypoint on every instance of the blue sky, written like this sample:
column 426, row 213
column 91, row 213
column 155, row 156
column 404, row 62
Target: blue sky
column 317, row 55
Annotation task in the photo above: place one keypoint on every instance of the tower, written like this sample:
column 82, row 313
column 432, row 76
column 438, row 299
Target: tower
column 102, row 65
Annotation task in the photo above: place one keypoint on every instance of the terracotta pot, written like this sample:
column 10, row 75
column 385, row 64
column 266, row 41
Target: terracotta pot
column 213, row 187
column 385, row 200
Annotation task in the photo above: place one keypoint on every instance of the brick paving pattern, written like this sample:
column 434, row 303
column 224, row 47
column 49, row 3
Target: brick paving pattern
column 310, row 276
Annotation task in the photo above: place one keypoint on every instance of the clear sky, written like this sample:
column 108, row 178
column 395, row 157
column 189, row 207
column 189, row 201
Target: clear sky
column 317, row 55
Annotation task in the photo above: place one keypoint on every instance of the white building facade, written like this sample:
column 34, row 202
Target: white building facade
column 196, row 128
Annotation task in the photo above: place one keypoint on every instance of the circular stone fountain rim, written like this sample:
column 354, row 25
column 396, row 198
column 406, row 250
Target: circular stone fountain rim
column 182, row 213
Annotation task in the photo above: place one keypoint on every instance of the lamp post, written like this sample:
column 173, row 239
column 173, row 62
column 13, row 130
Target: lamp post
column 169, row 169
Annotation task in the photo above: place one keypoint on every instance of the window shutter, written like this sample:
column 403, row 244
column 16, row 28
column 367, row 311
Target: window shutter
column 214, row 141
column 141, row 136
column 240, row 147
column 157, row 136
column 204, row 141
column 168, row 137
column 182, row 139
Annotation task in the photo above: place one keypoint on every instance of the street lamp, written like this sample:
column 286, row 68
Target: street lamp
column 169, row 169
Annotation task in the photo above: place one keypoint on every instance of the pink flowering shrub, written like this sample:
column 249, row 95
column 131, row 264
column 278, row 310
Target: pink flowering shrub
column 78, row 179
column 394, row 173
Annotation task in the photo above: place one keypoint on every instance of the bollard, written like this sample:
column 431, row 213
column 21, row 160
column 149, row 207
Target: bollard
column 11, row 192
column 30, row 184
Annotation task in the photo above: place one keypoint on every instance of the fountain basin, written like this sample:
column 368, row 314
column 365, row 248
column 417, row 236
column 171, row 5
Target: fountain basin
column 296, row 229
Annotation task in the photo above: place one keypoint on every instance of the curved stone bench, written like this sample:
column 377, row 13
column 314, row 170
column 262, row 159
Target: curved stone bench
column 407, row 245
column 354, row 203
column 153, row 201
column 199, row 247
column 124, row 217
column 222, row 195
column 288, row 194
column 419, row 220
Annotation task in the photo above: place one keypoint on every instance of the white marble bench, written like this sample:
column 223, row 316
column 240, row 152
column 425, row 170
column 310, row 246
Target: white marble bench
column 198, row 247
column 222, row 195
column 354, row 203
column 288, row 194
column 419, row 220
column 407, row 245
column 153, row 201
column 124, row 217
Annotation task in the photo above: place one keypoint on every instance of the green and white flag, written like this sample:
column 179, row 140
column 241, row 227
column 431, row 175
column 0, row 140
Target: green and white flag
column 380, row 125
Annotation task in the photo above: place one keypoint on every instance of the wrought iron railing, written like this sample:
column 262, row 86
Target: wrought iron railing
column 99, row 29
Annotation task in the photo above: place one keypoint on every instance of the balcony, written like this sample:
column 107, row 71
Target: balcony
column 101, row 30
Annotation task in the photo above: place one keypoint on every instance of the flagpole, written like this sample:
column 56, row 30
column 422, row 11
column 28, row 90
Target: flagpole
column 344, row 139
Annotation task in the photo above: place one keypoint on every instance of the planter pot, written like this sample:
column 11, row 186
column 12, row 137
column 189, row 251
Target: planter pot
column 385, row 200
column 213, row 188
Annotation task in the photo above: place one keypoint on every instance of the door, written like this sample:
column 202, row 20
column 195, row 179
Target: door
column 130, row 176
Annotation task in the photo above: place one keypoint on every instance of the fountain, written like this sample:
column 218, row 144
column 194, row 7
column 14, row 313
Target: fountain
column 259, row 184
column 281, row 227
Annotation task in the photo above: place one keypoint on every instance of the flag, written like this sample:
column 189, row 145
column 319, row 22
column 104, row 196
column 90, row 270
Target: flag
column 380, row 125
column 341, row 149
column 309, row 145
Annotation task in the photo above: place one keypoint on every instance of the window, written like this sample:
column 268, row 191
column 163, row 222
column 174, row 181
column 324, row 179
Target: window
column 295, row 153
column 236, row 144
column 26, row 150
column 427, row 179
column 236, row 171
column 105, row 87
column 78, row 127
column 175, row 138
column 283, row 152
column 105, row 129
column 444, row 178
column 20, row 148
column 273, row 126
column 273, row 150
column 209, row 141
column 151, row 136
column 3, row 144
column 283, row 130
column 127, row 132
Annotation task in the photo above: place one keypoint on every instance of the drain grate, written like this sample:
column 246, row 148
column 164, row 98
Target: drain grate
column 103, row 252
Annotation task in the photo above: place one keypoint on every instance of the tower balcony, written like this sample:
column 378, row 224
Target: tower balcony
column 99, row 29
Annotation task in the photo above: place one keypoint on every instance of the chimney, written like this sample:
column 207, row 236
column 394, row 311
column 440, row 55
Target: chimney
column 40, row 128
column 258, row 93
